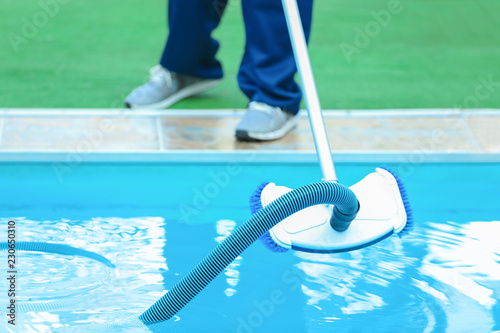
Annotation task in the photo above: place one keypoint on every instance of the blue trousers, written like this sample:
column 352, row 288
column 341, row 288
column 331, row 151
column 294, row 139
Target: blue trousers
column 268, row 67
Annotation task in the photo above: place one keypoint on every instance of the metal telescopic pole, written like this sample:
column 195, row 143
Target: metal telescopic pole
column 311, row 98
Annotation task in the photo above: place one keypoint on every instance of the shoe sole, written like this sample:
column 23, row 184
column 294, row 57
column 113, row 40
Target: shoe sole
column 243, row 135
column 181, row 94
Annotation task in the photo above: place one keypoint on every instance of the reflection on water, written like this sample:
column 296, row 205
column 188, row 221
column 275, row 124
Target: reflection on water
column 65, row 289
column 444, row 277
column 224, row 229
column 349, row 286
column 464, row 262
column 463, row 257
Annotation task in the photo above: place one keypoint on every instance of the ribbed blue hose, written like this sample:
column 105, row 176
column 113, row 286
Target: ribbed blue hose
column 286, row 205
column 52, row 304
column 57, row 248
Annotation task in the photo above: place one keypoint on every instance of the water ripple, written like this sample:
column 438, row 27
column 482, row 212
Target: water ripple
column 436, row 283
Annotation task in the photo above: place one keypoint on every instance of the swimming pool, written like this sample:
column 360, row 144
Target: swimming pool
column 154, row 222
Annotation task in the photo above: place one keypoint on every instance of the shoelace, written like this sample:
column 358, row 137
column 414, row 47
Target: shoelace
column 275, row 112
column 158, row 74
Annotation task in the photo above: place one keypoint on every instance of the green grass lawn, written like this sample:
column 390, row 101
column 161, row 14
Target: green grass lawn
column 90, row 53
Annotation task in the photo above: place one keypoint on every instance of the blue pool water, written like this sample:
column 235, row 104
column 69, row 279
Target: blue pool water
column 155, row 222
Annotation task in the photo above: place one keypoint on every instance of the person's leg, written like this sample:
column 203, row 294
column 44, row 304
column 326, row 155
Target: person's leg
column 190, row 49
column 268, row 67
column 188, row 65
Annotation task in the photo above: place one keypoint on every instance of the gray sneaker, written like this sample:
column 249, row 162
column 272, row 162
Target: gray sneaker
column 165, row 88
column 263, row 122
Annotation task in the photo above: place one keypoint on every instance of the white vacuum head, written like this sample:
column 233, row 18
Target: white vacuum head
column 383, row 211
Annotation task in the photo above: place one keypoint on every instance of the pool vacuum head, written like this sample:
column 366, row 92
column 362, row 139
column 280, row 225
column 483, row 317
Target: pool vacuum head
column 384, row 210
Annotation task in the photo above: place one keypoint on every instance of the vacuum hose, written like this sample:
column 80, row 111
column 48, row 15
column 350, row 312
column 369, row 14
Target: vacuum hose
column 314, row 194
column 56, row 248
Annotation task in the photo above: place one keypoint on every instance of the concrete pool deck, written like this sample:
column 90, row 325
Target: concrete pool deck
column 123, row 135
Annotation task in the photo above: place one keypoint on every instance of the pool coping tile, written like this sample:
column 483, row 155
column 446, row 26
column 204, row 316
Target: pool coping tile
column 486, row 131
column 2, row 124
column 85, row 134
column 208, row 135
